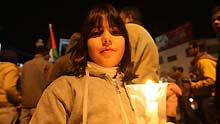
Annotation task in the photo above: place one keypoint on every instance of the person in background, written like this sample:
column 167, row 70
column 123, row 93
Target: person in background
column 185, row 114
column 39, row 42
column 10, row 97
column 144, row 54
column 94, row 91
column 216, row 27
column 64, row 63
column 33, row 82
column 204, row 70
column 181, row 79
column 131, row 14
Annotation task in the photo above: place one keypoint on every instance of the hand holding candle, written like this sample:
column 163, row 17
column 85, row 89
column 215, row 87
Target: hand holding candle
column 152, row 102
column 173, row 91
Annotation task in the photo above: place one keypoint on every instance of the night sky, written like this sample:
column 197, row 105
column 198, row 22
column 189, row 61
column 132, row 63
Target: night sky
column 22, row 22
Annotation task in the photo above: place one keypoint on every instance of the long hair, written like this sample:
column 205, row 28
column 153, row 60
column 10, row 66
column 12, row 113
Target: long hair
column 80, row 54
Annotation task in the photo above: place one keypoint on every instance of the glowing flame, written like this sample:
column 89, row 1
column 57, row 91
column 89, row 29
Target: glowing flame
column 150, row 90
column 149, row 101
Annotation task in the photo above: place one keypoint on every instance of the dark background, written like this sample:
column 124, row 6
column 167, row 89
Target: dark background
column 22, row 22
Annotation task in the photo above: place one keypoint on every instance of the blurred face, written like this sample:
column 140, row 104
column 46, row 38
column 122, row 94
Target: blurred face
column 216, row 21
column 178, row 72
column 39, row 42
column 106, row 45
column 192, row 51
column 125, row 18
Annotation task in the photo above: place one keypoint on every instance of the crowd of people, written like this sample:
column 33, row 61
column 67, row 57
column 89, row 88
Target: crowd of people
column 88, row 83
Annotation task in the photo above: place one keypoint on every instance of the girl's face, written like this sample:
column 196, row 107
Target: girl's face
column 192, row 51
column 106, row 45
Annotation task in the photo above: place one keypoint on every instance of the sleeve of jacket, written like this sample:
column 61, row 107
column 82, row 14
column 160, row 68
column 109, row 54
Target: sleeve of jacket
column 54, row 105
column 207, row 72
column 11, row 80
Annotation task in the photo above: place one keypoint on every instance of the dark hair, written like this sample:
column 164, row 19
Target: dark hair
column 215, row 9
column 180, row 69
column 42, row 50
column 135, row 12
column 8, row 55
column 95, row 17
column 200, row 44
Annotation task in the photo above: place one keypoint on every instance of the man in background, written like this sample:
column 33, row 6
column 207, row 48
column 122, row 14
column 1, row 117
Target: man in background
column 39, row 42
column 216, row 27
column 145, row 56
column 185, row 113
column 204, row 71
column 33, row 82
column 144, row 52
column 10, row 97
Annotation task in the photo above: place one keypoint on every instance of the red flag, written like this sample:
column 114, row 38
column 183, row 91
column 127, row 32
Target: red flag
column 54, row 53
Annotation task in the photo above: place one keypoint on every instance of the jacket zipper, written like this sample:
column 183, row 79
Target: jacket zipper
column 116, row 86
column 118, row 91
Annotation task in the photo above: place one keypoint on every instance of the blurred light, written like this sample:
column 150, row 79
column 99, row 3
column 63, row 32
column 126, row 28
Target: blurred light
column 191, row 99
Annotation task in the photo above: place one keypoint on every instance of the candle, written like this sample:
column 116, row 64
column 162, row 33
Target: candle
column 149, row 102
column 150, row 91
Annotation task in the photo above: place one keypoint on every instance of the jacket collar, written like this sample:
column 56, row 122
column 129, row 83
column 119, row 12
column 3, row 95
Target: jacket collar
column 97, row 70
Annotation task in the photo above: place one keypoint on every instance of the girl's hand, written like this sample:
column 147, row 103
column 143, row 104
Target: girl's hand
column 173, row 91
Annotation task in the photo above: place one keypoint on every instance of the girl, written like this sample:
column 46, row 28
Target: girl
column 95, row 92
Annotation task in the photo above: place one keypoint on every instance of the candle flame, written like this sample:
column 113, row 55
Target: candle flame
column 150, row 90
column 149, row 102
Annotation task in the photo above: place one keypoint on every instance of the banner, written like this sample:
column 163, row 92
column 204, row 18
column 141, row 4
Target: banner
column 175, row 37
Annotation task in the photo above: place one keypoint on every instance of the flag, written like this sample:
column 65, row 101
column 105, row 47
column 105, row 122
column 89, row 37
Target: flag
column 53, row 50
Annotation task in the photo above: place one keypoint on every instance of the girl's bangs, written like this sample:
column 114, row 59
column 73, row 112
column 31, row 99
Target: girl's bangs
column 97, row 20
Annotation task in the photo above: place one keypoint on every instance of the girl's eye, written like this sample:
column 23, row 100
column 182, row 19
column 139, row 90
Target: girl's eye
column 115, row 31
column 95, row 33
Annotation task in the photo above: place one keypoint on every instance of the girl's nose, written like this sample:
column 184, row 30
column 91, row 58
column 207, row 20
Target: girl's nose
column 106, row 38
column 106, row 42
